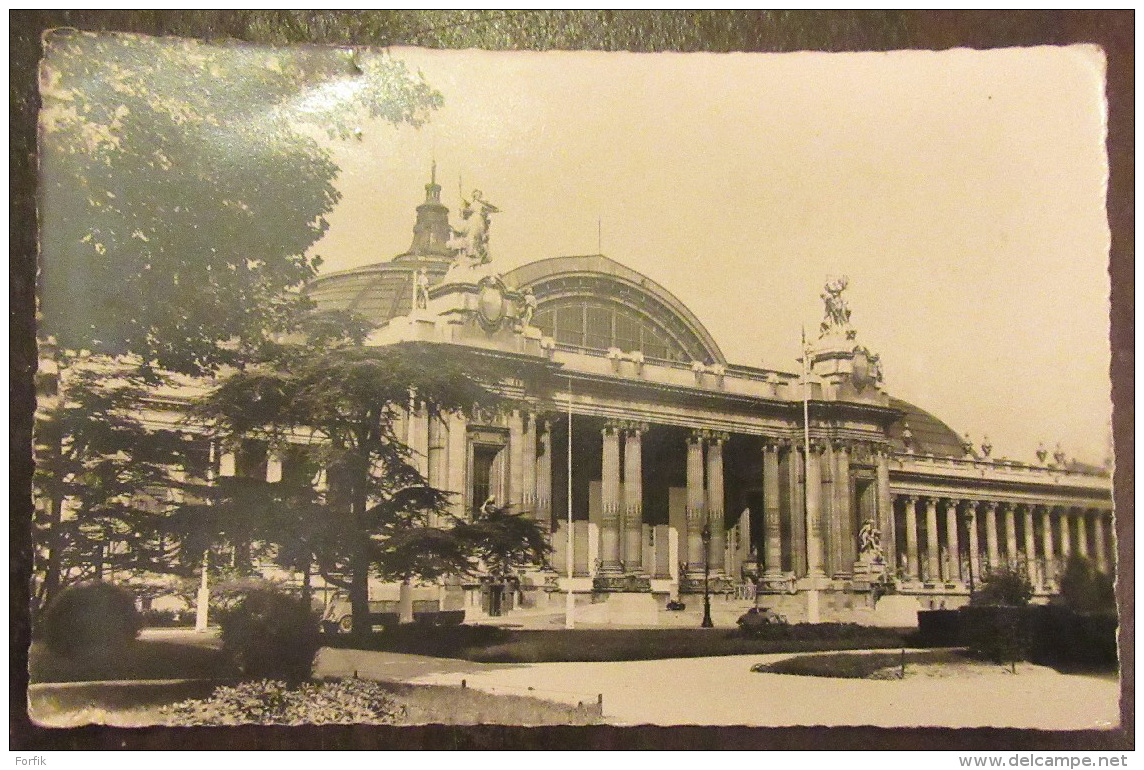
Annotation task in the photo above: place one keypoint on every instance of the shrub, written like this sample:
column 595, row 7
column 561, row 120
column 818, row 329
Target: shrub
column 91, row 618
column 1005, row 587
column 346, row 701
column 271, row 635
column 1084, row 589
column 1002, row 634
column 167, row 618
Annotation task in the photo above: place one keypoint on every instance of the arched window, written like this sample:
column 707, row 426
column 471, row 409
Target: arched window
column 600, row 325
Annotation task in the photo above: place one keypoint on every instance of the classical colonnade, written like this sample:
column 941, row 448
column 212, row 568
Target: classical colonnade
column 943, row 538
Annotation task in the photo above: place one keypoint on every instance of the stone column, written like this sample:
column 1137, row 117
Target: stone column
column 847, row 541
column 715, row 501
column 528, row 466
column 910, row 514
column 543, row 511
column 886, row 510
column 1049, row 573
column 515, row 461
column 1099, row 544
column 1066, row 536
column 933, row 560
column 457, row 460
column 994, row 556
column 695, row 503
column 772, row 527
column 1030, row 545
column 1010, row 534
column 633, row 500
column 610, row 500
column 796, row 537
column 952, row 546
column 974, row 545
column 1082, row 533
column 814, row 555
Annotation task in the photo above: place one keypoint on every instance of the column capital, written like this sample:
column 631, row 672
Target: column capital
column 990, row 505
column 772, row 444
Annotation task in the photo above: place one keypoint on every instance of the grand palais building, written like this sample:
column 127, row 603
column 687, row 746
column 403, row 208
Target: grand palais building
column 818, row 489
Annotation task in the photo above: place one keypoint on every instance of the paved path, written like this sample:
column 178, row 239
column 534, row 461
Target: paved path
column 724, row 691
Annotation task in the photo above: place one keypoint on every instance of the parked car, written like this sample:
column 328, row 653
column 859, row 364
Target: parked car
column 338, row 617
column 756, row 618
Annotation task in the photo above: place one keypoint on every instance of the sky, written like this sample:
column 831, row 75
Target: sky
column 962, row 193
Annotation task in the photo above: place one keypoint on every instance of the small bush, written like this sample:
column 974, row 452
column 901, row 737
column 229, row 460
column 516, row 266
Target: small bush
column 91, row 618
column 346, row 701
column 1003, row 634
column 271, row 635
column 1005, row 587
column 167, row 618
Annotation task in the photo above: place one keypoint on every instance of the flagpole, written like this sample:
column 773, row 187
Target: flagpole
column 569, row 599
column 812, row 613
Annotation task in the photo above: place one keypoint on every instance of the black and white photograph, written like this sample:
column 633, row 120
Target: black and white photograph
column 414, row 386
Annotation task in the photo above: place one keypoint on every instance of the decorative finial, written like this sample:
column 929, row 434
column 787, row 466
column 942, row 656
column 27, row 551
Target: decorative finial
column 908, row 438
column 986, row 446
column 1042, row 453
column 1059, row 456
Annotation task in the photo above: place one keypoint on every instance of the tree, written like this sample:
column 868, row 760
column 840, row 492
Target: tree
column 506, row 542
column 1004, row 586
column 184, row 182
column 1086, row 590
column 102, row 476
column 347, row 400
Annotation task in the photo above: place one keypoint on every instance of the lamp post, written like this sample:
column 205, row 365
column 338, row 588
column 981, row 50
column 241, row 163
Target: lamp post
column 706, row 534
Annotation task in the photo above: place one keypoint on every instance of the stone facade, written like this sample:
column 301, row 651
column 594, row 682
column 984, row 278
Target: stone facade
column 656, row 459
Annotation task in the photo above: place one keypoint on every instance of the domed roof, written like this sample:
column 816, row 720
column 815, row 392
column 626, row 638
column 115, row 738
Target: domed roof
column 384, row 290
column 642, row 314
column 928, row 434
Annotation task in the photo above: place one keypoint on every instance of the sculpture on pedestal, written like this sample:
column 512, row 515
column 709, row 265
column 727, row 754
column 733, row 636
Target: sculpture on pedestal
column 420, row 290
column 471, row 238
column 836, row 320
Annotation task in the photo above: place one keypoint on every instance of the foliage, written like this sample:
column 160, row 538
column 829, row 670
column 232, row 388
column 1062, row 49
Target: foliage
column 376, row 509
column 1085, row 589
column 91, row 619
column 184, row 183
column 154, row 618
column 268, row 702
column 1001, row 633
column 1004, row 586
column 506, row 542
column 271, row 635
column 103, row 476
column 490, row 644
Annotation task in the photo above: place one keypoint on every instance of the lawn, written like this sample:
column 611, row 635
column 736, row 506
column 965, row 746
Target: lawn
column 488, row 644
column 858, row 666
column 139, row 660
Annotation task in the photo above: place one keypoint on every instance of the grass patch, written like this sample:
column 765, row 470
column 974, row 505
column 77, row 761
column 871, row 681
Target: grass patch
column 855, row 666
column 433, row 704
column 137, row 660
column 487, row 644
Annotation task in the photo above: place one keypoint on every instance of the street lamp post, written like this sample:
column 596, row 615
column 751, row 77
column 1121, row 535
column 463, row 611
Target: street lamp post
column 706, row 534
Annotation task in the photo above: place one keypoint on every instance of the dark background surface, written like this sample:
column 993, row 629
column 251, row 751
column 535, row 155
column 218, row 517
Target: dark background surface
column 592, row 30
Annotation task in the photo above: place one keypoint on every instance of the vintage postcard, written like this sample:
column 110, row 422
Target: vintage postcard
column 407, row 386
